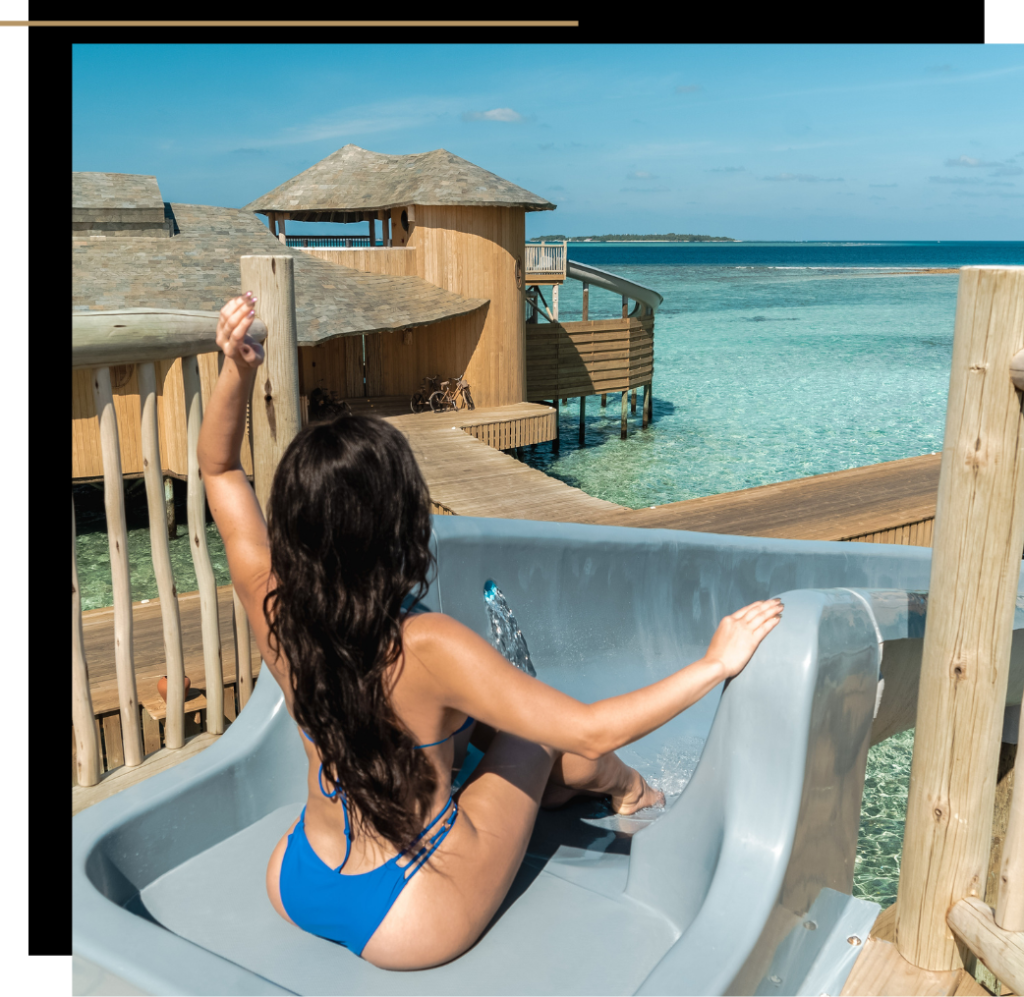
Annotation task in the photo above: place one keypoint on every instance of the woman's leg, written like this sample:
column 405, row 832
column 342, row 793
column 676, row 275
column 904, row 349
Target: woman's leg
column 608, row 775
column 573, row 775
column 450, row 901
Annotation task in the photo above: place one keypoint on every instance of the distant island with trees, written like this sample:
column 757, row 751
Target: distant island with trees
column 668, row 237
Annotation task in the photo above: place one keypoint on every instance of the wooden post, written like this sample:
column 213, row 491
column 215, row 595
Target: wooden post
column 86, row 743
column 622, row 429
column 169, row 511
column 979, row 532
column 625, row 306
column 208, row 615
column 557, row 443
column 174, row 726
column 632, row 402
column 586, row 302
column 373, row 230
column 646, row 419
column 385, row 234
column 280, row 229
column 117, row 539
column 1010, row 905
column 243, row 650
column 275, row 413
column 604, row 400
column 583, row 426
column 554, row 302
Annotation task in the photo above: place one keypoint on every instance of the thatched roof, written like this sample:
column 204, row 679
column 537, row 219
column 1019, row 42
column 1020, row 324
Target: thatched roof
column 199, row 270
column 354, row 180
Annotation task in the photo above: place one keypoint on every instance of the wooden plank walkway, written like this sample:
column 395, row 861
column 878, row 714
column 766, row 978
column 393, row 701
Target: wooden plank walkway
column 148, row 648
column 466, row 477
column 844, row 505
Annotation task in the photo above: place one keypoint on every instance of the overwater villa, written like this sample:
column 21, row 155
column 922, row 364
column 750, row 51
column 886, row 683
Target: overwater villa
column 743, row 884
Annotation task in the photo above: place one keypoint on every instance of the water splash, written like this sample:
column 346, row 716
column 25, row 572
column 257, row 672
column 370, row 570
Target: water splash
column 507, row 638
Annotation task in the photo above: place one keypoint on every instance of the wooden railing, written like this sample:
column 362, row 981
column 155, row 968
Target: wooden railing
column 146, row 337
column 544, row 262
column 329, row 241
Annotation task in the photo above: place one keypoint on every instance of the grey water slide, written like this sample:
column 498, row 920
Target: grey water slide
column 613, row 282
column 742, row 885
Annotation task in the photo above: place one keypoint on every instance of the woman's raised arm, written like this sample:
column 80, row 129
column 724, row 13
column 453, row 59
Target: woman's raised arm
column 231, row 498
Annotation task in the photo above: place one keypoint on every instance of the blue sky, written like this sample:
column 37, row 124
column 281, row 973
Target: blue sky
column 755, row 142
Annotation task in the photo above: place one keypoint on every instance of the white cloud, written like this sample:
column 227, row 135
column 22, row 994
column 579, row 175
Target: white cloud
column 969, row 161
column 495, row 114
column 805, row 177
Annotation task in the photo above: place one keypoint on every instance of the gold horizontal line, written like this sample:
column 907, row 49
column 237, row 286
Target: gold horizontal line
column 289, row 24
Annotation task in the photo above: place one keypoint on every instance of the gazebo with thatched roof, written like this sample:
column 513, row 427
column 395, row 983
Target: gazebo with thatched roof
column 446, row 220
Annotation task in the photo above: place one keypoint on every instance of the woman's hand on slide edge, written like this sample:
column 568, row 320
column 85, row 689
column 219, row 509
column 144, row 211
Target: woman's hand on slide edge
column 232, row 331
column 739, row 634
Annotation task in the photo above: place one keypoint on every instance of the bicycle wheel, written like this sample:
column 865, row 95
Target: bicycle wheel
column 437, row 402
column 468, row 397
column 415, row 402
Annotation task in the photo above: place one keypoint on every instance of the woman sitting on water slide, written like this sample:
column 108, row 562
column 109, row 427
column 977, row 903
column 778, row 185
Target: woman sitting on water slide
column 382, row 694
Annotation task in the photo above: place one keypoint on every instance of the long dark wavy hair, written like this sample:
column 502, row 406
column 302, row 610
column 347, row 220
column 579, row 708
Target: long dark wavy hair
column 349, row 526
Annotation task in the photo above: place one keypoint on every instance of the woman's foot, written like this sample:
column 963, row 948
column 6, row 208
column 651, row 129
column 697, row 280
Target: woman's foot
column 637, row 796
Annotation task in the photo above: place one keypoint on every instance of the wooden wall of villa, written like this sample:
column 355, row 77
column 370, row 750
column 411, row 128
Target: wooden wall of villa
column 473, row 252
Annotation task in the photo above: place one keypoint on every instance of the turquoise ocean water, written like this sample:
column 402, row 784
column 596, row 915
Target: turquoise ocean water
column 772, row 361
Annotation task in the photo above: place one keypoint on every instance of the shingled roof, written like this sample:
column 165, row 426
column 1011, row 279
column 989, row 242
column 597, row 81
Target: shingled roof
column 199, row 269
column 354, row 180
column 117, row 203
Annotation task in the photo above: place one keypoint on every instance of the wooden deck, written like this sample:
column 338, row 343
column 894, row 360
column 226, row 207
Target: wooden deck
column 892, row 502
column 148, row 649
column 467, row 477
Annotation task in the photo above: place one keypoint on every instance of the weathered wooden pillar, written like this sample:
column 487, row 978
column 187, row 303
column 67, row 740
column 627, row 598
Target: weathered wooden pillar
column 373, row 230
column 647, row 408
column 87, row 745
column 604, row 400
column 554, row 302
column 209, row 614
column 275, row 413
column 632, row 402
column 622, row 428
column 586, row 302
column 120, row 575
column 976, row 560
column 280, row 229
column 169, row 511
column 156, row 498
column 556, row 443
column 583, row 424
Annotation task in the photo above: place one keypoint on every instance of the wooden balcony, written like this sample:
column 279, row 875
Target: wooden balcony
column 544, row 263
